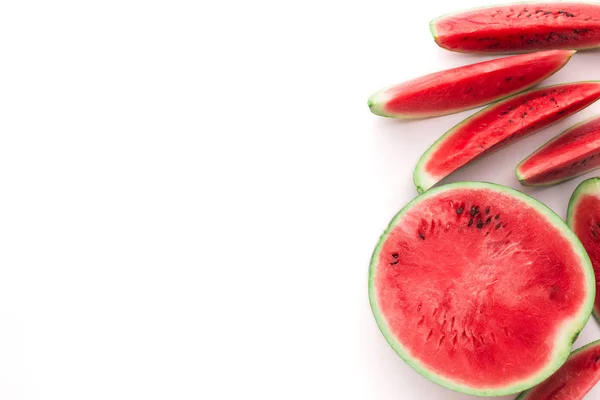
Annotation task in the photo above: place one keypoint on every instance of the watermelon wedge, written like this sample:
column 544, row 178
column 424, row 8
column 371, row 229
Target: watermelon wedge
column 583, row 217
column 467, row 87
column 499, row 125
column 480, row 288
column 570, row 154
column 518, row 28
column 573, row 380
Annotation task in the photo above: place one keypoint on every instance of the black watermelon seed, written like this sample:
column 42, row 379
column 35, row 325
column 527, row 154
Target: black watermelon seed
column 395, row 255
column 479, row 224
column 498, row 226
column 474, row 211
column 394, row 262
column 487, row 210
column 459, row 210
column 487, row 221
column 497, row 216
column 470, row 222
column 421, row 236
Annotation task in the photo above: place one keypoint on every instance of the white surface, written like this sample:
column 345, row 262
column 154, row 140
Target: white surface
column 191, row 192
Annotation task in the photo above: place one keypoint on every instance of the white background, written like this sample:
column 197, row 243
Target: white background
column 191, row 191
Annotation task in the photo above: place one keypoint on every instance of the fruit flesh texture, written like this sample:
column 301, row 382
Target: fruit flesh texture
column 584, row 220
column 471, row 287
column 573, row 380
column 571, row 154
column 467, row 87
column 500, row 125
column 520, row 28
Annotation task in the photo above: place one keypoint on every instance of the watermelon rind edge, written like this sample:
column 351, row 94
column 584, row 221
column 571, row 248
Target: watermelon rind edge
column 565, row 339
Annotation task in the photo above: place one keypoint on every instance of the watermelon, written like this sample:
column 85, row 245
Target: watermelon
column 573, row 380
column 518, row 28
column 573, row 153
column 467, row 87
column 583, row 217
column 500, row 124
column 480, row 288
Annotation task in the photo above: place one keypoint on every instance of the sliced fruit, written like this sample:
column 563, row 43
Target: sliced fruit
column 480, row 288
column 467, row 87
column 572, row 153
column 516, row 28
column 583, row 217
column 499, row 125
column 573, row 380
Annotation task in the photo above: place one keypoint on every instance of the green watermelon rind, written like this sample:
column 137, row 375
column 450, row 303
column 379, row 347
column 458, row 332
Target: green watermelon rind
column 565, row 339
column 522, row 179
column 523, row 396
column 588, row 186
column 423, row 181
column 432, row 24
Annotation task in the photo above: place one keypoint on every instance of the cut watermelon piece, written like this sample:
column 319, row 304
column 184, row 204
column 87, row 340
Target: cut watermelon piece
column 583, row 217
column 480, row 288
column 517, row 28
column 467, row 87
column 499, row 125
column 572, row 153
column 573, row 380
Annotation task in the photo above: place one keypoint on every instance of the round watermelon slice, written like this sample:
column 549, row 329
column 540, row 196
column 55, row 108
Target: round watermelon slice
column 583, row 217
column 573, row 380
column 480, row 288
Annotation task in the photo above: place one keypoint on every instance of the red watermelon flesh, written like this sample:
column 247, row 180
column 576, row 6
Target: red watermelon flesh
column 480, row 288
column 467, row 87
column 499, row 125
column 583, row 217
column 516, row 28
column 573, row 380
column 570, row 154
